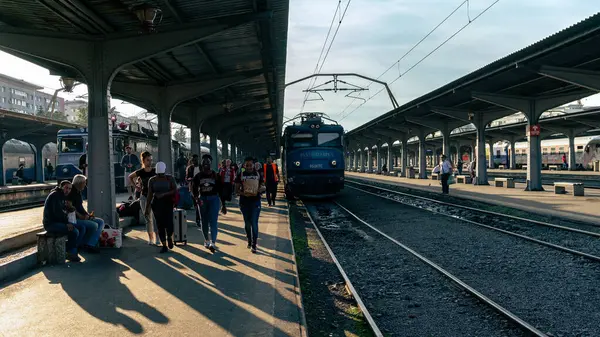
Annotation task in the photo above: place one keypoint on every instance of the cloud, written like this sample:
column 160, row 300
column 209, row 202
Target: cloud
column 376, row 33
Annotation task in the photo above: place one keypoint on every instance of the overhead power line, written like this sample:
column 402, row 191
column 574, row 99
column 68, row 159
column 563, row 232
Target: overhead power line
column 322, row 62
column 426, row 56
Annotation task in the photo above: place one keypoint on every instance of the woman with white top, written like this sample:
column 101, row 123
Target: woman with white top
column 446, row 169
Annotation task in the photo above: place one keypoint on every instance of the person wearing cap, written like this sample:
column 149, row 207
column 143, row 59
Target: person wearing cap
column 446, row 169
column 249, row 185
column 130, row 163
column 206, row 188
column 145, row 173
column 161, row 191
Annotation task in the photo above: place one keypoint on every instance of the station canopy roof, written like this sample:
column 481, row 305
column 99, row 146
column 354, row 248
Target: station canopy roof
column 255, row 49
column 30, row 128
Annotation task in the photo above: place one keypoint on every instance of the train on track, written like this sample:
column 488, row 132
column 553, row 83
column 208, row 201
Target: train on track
column 313, row 157
column 587, row 151
column 72, row 144
column 16, row 153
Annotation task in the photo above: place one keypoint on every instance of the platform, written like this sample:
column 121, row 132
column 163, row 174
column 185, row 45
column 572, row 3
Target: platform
column 15, row 195
column 186, row 292
column 546, row 202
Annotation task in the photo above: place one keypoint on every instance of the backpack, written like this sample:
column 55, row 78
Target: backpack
column 127, row 209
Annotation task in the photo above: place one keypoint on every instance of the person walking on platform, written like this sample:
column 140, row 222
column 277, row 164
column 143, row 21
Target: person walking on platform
column 446, row 170
column 56, row 221
column 180, row 165
column 161, row 192
column 93, row 226
column 145, row 173
column 191, row 172
column 249, row 186
column 227, row 178
column 271, row 177
column 130, row 163
column 206, row 188
column 472, row 171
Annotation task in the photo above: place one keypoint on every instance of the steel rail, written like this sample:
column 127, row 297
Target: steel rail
column 540, row 223
column 359, row 301
column 505, row 312
column 541, row 242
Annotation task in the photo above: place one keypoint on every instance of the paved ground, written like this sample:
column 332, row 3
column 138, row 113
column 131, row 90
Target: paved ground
column 187, row 292
column 546, row 202
column 23, row 221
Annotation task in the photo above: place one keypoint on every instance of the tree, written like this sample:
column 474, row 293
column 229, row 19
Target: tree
column 40, row 111
column 180, row 135
column 81, row 115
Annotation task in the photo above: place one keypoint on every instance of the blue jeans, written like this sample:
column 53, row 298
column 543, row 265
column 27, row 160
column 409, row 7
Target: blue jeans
column 251, row 212
column 209, row 212
column 93, row 230
column 72, row 236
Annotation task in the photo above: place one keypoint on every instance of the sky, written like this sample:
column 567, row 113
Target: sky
column 373, row 35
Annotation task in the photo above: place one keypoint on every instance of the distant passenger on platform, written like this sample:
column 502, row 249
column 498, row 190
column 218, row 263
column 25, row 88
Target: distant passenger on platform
column 56, row 221
column 227, row 178
column 161, row 191
column 145, row 173
column 191, row 171
column 180, row 166
column 258, row 167
column 564, row 161
column 206, row 188
column 93, row 226
column 271, row 178
column 473, row 171
column 459, row 166
column 130, row 163
column 446, row 169
column 50, row 169
column 83, row 162
column 249, row 185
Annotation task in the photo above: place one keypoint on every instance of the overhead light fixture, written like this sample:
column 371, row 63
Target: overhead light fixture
column 149, row 16
column 67, row 83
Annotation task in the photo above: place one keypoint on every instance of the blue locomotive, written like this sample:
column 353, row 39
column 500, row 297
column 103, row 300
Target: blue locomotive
column 72, row 144
column 313, row 157
column 16, row 153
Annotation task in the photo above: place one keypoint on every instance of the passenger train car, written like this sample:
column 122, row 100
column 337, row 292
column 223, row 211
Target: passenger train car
column 313, row 157
column 72, row 145
column 16, row 152
column 587, row 150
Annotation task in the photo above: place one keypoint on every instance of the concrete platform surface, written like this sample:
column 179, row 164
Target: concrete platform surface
column 28, row 187
column 544, row 202
column 23, row 221
column 186, row 292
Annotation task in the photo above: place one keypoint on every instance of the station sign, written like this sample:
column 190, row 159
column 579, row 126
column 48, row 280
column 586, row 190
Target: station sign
column 534, row 130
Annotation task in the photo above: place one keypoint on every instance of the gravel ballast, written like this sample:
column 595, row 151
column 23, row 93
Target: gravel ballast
column 574, row 240
column 555, row 291
column 404, row 295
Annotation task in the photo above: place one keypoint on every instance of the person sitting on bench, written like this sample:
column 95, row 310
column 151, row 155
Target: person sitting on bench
column 56, row 221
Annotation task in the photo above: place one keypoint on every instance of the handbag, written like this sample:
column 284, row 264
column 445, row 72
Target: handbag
column 111, row 237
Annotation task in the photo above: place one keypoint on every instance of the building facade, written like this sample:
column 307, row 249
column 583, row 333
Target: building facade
column 24, row 97
column 71, row 108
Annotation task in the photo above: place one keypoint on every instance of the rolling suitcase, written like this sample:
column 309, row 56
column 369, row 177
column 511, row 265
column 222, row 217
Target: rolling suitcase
column 179, row 226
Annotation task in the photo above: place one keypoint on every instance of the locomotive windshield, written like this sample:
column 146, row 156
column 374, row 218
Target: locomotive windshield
column 301, row 140
column 329, row 139
column 71, row 145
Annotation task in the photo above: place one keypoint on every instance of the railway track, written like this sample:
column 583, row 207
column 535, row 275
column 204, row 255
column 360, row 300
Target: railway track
column 23, row 206
column 577, row 239
column 402, row 251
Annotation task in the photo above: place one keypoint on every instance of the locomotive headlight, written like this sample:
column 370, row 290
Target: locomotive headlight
column 333, row 162
column 312, row 126
column 318, row 126
column 297, row 163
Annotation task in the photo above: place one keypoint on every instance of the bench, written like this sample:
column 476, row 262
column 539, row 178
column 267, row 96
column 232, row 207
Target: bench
column 51, row 248
column 462, row 179
column 410, row 173
column 505, row 182
column 501, row 167
column 553, row 167
column 436, row 176
column 524, row 167
column 561, row 188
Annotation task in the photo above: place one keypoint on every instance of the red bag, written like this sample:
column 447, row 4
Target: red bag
column 176, row 195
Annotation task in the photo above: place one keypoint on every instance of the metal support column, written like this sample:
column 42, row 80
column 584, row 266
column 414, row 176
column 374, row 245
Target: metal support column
column 491, row 156
column 481, row 168
column 2, row 175
column 195, row 134
column 404, row 154
column 213, row 151
column 225, row 149
column 572, row 153
column 422, row 156
column 390, row 156
column 362, row 160
column 379, row 158
column 370, row 159
column 233, row 153
column 513, row 154
column 165, row 144
column 39, row 162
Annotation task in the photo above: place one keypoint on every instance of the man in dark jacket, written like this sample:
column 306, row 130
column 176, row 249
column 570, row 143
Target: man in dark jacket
column 56, row 221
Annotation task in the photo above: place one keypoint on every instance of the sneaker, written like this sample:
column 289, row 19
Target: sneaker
column 206, row 244
column 249, row 245
column 224, row 211
column 150, row 243
column 212, row 248
column 73, row 258
column 254, row 249
column 164, row 249
column 170, row 243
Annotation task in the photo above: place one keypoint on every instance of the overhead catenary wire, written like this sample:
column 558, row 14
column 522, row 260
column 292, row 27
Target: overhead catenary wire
column 397, row 62
column 426, row 56
column 318, row 68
